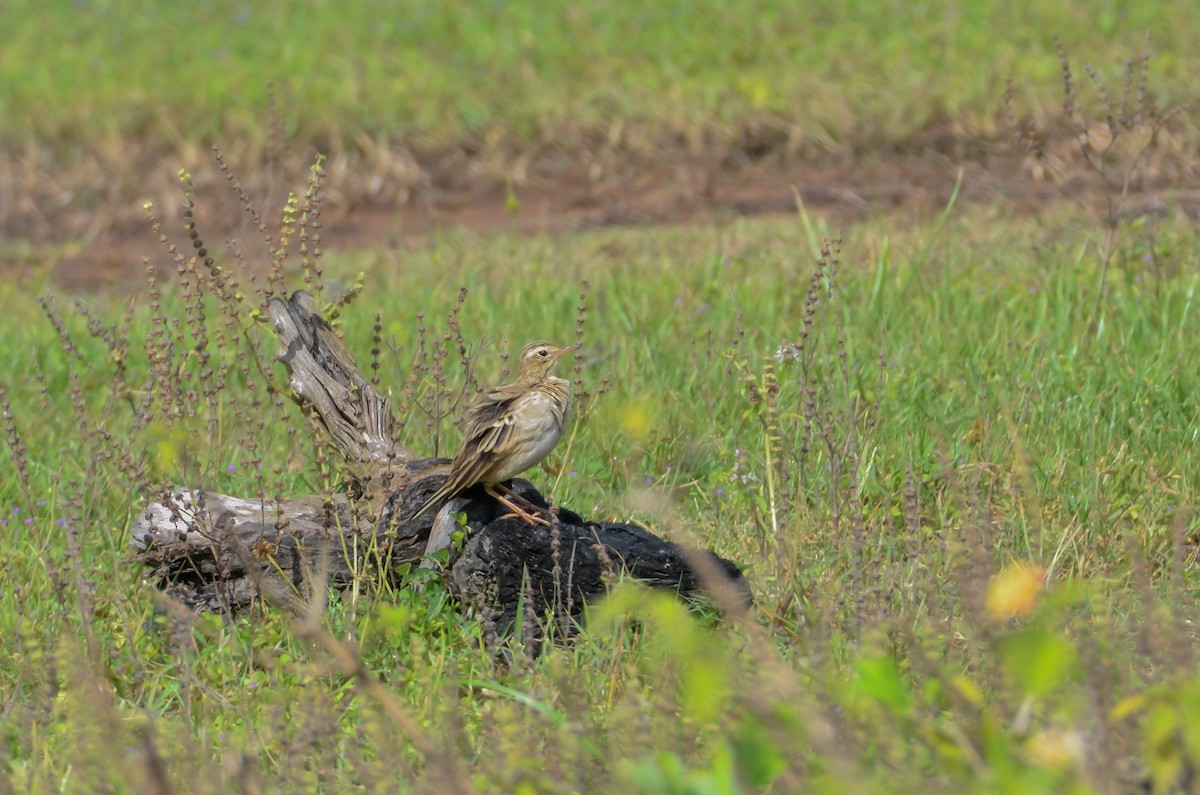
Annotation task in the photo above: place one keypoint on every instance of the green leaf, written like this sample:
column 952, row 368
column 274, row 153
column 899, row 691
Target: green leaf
column 879, row 678
column 968, row 690
column 393, row 617
column 1130, row 705
column 758, row 758
column 1039, row 659
column 1164, row 751
column 705, row 689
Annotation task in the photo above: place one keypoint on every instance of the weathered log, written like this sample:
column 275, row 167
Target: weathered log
column 216, row 552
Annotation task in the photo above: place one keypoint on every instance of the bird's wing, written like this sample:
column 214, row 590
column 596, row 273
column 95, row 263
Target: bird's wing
column 490, row 431
column 493, row 408
column 489, row 434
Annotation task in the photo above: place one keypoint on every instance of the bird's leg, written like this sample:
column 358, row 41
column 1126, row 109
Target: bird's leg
column 525, row 503
column 494, row 493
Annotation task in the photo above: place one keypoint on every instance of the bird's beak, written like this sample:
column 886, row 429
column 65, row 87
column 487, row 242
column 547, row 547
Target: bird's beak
column 568, row 349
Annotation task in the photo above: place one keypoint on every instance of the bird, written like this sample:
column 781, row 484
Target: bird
column 511, row 429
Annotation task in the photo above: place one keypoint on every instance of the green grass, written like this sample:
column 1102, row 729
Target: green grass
column 433, row 74
column 1007, row 423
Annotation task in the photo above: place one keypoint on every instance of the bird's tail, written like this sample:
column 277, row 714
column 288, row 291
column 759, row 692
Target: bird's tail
column 452, row 486
column 434, row 498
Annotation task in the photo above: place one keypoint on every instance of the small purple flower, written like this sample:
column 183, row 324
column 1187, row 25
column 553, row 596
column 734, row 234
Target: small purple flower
column 3, row 521
column 232, row 467
column 40, row 503
column 16, row 510
column 574, row 474
column 29, row 520
column 678, row 300
column 1147, row 257
column 649, row 480
column 720, row 492
column 60, row 522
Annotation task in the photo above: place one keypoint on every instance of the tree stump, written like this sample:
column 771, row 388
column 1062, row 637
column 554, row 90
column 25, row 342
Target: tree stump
column 216, row 552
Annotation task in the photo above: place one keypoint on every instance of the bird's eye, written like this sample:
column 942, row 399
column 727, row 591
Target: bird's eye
column 543, row 352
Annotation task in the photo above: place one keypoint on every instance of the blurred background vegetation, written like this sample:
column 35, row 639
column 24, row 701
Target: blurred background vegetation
column 952, row 441
column 433, row 74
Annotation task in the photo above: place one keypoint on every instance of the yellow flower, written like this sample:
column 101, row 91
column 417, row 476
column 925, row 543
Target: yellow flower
column 635, row 420
column 1055, row 750
column 1014, row 591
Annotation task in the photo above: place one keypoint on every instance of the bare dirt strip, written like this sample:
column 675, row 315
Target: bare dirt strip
column 557, row 192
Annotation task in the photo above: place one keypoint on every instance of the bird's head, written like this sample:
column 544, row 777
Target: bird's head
column 538, row 358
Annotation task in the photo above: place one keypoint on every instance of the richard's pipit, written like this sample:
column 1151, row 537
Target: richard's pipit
column 512, row 428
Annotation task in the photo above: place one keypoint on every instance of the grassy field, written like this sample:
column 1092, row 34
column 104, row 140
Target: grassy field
column 965, row 509
column 956, row 456
column 431, row 75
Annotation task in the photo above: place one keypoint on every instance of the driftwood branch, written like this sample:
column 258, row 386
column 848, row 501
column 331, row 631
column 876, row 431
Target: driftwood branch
column 325, row 378
column 217, row 552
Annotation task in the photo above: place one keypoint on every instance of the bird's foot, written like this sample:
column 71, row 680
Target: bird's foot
column 528, row 514
column 528, row 517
